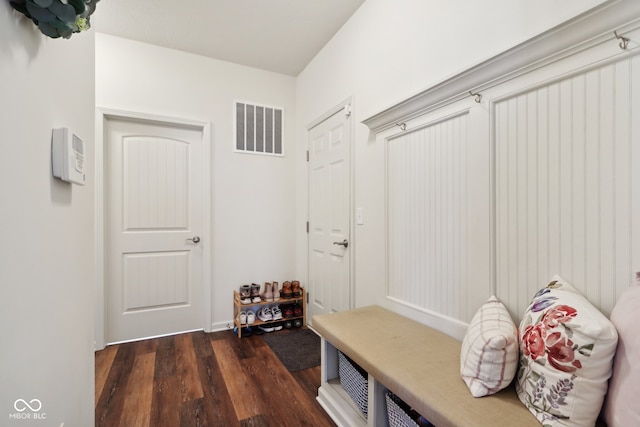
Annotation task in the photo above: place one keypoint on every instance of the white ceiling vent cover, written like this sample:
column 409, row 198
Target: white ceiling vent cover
column 259, row 129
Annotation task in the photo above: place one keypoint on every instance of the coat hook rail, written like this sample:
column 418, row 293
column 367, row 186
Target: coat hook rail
column 478, row 96
column 624, row 41
column 402, row 126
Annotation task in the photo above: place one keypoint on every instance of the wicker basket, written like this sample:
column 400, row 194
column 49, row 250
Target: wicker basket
column 401, row 415
column 354, row 381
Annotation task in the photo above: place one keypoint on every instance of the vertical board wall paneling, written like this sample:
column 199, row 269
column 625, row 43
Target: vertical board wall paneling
column 427, row 216
column 566, row 194
column 156, row 193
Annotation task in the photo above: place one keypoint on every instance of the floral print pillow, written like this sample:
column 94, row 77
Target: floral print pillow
column 566, row 353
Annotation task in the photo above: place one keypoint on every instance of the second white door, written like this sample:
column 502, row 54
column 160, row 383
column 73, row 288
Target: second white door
column 154, row 222
column 329, row 215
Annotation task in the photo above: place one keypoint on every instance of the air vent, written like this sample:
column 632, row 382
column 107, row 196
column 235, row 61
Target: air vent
column 259, row 129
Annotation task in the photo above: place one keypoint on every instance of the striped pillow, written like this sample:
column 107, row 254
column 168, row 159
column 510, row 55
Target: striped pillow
column 489, row 356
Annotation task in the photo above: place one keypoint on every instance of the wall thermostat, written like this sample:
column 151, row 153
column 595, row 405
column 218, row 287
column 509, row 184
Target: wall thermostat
column 67, row 156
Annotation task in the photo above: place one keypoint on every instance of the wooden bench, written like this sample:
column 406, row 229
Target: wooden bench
column 419, row 364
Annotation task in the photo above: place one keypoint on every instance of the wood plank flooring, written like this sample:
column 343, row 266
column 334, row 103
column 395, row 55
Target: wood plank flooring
column 197, row 379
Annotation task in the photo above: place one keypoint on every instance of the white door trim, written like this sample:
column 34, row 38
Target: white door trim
column 102, row 115
column 352, row 241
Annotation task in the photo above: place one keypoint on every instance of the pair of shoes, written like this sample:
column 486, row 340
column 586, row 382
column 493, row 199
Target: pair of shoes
column 245, row 294
column 247, row 317
column 295, row 289
column 271, row 292
column 255, row 293
column 287, row 311
column 267, row 295
column 265, row 314
column 266, row 328
column 286, row 290
column 270, row 313
column 291, row 310
column 270, row 327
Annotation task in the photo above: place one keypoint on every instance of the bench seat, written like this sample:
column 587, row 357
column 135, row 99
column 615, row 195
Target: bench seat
column 419, row 364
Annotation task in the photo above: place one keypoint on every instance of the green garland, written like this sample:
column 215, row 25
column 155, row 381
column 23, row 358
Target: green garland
column 57, row 18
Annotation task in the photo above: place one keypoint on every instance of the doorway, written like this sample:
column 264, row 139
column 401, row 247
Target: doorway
column 155, row 266
column 329, row 252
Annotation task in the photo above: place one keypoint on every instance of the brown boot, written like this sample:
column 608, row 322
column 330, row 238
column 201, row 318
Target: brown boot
column 295, row 289
column 286, row 290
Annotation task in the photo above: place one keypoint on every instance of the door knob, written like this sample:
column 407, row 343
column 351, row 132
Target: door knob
column 194, row 239
column 344, row 243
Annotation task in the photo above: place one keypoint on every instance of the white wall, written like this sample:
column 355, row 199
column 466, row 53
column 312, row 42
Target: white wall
column 46, row 227
column 253, row 207
column 387, row 52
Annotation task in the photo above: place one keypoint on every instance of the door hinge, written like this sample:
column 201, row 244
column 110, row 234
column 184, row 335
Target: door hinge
column 307, row 227
column 307, row 297
column 307, row 156
column 347, row 110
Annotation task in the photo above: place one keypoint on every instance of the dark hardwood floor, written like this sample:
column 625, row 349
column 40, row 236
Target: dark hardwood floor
column 198, row 379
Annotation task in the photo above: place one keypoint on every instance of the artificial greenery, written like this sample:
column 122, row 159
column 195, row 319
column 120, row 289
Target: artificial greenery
column 57, row 18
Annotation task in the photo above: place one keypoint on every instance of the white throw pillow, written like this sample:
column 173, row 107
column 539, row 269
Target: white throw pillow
column 621, row 405
column 489, row 354
column 566, row 354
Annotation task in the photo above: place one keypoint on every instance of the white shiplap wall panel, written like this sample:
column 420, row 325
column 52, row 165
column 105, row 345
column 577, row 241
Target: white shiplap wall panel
column 565, row 187
column 427, row 220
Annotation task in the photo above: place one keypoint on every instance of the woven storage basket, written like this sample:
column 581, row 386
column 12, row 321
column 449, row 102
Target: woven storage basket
column 401, row 415
column 398, row 416
column 354, row 380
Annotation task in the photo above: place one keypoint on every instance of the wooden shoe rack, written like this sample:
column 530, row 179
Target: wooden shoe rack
column 238, row 307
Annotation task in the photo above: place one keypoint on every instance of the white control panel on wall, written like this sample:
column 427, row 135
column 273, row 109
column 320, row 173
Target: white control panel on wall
column 67, row 156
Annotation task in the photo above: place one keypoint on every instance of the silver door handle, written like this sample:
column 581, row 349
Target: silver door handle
column 194, row 239
column 344, row 243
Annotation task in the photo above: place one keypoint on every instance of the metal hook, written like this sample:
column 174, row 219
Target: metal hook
column 478, row 96
column 624, row 41
column 402, row 126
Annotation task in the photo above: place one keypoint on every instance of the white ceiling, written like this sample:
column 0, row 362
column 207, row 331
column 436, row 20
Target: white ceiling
column 275, row 35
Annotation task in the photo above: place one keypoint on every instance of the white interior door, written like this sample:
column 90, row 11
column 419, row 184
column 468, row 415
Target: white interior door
column 329, row 215
column 154, row 222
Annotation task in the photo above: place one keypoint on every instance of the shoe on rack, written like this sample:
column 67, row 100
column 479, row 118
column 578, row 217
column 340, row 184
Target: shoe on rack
column 288, row 324
column 276, row 313
column 277, row 326
column 251, row 317
column 257, row 331
column 245, row 294
column 287, row 311
column 267, row 295
column 275, row 291
column 297, row 310
column 295, row 289
column 265, row 314
column 286, row 290
column 266, row 328
column 243, row 318
column 297, row 323
column 255, row 293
